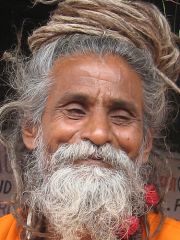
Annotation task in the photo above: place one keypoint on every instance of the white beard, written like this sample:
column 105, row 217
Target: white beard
column 80, row 200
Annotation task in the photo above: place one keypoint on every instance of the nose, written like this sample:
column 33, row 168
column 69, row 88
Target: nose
column 97, row 129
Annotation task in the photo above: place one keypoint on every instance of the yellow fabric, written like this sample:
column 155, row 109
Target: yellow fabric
column 170, row 229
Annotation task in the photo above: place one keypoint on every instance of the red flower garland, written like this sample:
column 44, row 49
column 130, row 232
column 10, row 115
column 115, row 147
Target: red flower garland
column 134, row 226
column 151, row 196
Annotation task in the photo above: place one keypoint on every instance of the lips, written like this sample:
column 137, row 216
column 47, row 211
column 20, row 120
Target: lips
column 93, row 162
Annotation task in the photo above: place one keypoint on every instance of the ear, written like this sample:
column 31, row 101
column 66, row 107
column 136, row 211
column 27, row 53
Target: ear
column 148, row 145
column 29, row 135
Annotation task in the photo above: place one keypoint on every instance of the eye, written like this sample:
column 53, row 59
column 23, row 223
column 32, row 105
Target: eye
column 121, row 117
column 74, row 111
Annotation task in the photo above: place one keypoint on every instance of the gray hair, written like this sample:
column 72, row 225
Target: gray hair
column 32, row 83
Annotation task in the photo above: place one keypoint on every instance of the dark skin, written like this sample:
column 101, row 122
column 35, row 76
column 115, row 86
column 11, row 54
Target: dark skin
column 93, row 98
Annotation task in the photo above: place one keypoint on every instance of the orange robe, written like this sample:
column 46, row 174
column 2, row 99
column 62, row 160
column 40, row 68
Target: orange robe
column 169, row 231
column 9, row 229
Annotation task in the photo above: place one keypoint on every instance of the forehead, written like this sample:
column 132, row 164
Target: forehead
column 106, row 76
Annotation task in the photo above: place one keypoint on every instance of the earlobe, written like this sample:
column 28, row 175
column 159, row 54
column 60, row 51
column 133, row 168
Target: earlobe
column 29, row 135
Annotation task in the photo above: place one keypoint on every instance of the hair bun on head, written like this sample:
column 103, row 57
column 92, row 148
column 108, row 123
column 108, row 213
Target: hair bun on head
column 48, row 2
column 138, row 22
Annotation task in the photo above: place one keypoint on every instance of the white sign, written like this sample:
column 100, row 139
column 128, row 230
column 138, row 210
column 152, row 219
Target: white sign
column 172, row 204
column 6, row 182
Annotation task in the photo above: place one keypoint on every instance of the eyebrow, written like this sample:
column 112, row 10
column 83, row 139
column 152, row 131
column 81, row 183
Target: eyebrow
column 85, row 100
column 74, row 97
column 121, row 104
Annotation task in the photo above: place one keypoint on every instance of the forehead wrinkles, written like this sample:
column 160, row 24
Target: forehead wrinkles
column 80, row 62
column 98, row 69
column 100, row 77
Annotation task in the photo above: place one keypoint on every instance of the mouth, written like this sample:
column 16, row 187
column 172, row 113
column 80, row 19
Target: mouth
column 93, row 162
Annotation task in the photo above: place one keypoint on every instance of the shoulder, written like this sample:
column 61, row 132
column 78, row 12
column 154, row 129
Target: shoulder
column 170, row 229
column 8, row 228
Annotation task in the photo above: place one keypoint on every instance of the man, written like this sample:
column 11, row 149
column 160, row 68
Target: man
column 90, row 106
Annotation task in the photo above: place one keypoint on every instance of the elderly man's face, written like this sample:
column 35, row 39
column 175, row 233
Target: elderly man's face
column 85, row 189
column 93, row 98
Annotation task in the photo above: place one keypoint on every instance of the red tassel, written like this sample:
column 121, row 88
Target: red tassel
column 151, row 196
column 134, row 226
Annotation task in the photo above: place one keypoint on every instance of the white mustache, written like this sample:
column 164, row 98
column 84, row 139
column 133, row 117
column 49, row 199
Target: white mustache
column 67, row 154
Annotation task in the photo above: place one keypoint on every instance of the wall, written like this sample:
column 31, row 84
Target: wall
column 172, row 204
column 6, row 182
